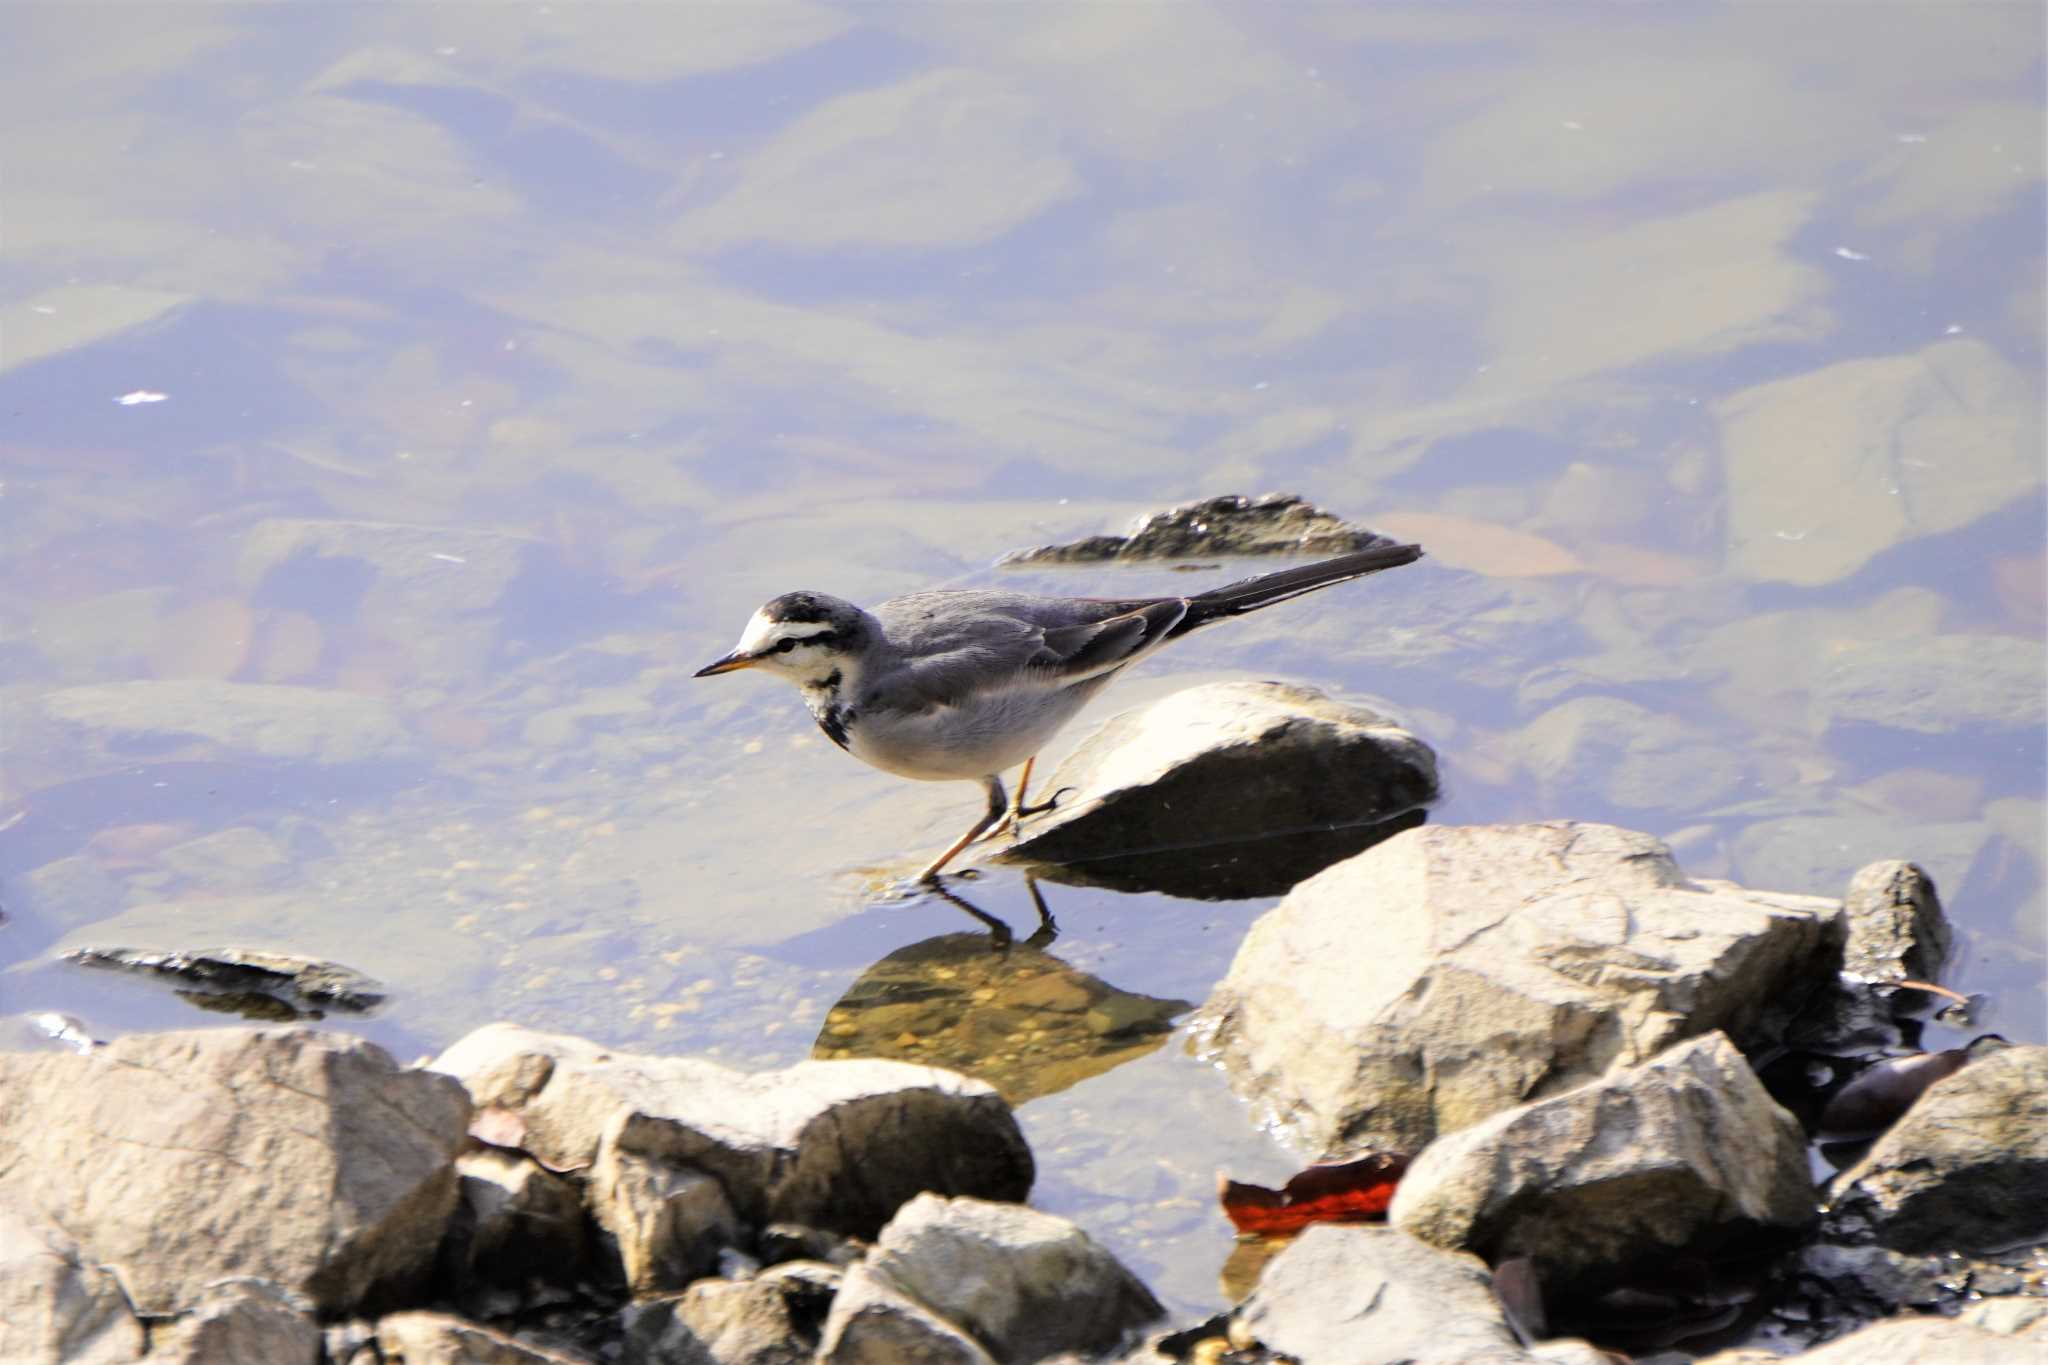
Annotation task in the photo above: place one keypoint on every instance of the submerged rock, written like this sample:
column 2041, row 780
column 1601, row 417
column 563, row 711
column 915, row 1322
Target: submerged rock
column 301, row 982
column 1453, row 972
column 1228, row 790
column 176, row 1159
column 256, row 719
column 1233, row 524
column 1019, row 1284
column 1678, row 1154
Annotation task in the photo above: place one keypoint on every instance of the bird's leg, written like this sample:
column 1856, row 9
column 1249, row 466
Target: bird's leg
column 997, row 802
column 1047, row 931
column 1016, row 810
column 998, row 932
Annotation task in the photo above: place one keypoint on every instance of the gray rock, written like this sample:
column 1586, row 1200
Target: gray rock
column 838, row 1144
column 1636, row 1167
column 773, row 1319
column 1236, row 765
column 241, row 857
column 1023, row 1285
column 239, row 1322
column 426, row 1338
column 1349, row 1295
column 517, row 1224
column 668, row 1219
column 2011, row 1317
column 874, row 1323
column 301, row 982
column 1232, row 524
column 257, row 719
column 1895, row 926
column 1867, row 1275
column 1454, row 972
column 1936, row 685
column 178, row 1159
column 54, row 1304
column 1965, row 1169
column 1828, row 468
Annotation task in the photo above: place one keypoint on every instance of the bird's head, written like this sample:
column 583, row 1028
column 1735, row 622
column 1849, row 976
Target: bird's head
column 805, row 637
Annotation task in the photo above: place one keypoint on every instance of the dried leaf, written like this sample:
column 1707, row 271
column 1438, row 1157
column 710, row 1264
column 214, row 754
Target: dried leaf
column 1483, row 547
column 1340, row 1192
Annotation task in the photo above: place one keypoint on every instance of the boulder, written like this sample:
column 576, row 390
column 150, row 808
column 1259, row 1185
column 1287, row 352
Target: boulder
column 773, row 1319
column 1349, row 1295
column 1228, row 790
column 1894, row 924
column 178, row 1159
column 1965, row 1169
column 874, row 1323
column 832, row 1144
column 1021, row 1284
column 517, row 1225
column 55, row 1305
column 426, row 1338
column 238, row 1322
column 1681, row 1153
column 669, row 1220
column 1453, row 972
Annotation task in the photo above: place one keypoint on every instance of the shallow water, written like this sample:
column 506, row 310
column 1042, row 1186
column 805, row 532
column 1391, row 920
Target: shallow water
column 402, row 403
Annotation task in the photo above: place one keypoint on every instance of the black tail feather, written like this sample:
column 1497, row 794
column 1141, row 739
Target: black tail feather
column 1235, row 599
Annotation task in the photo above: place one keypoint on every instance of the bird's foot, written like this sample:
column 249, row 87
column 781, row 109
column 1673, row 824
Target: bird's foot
column 1017, row 814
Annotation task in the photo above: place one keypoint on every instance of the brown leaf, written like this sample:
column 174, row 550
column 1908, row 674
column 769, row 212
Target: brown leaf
column 1484, row 547
column 1340, row 1192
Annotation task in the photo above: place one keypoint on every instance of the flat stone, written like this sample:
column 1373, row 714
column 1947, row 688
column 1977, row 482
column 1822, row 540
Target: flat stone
column 1936, row 685
column 1677, row 1154
column 302, row 982
column 261, row 720
column 1453, row 972
column 1232, row 524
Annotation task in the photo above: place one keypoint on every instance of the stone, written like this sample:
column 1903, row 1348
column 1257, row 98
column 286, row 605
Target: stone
column 1684, row 1152
column 1966, row 1169
column 772, row 1319
column 833, row 1144
column 412, row 572
column 1022, row 1284
column 1231, row 524
column 300, row 982
column 178, row 1159
column 420, row 1337
column 1828, row 468
column 669, row 1220
column 1343, row 1294
column 874, row 1323
column 1913, row 1340
column 1936, row 685
column 260, row 720
column 1453, row 972
column 54, row 1304
column 518, row 1224
column 239, row 1322
column 1624, row 754
column 1241, row 770
column 1894, row 924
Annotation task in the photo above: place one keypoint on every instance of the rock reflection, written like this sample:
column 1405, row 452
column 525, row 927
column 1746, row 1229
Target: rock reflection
column 1012, row 1015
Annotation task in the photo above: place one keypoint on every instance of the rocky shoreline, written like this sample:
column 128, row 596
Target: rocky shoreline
column 1557, row 1024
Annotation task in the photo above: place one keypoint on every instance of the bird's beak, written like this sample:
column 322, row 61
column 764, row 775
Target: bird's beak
column 727, row 664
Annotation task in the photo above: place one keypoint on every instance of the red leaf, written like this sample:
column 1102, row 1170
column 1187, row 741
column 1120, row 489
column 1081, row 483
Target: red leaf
column 1341, row 1192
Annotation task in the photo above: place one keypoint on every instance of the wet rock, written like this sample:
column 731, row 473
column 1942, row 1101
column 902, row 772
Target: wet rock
column 1935, row 685
column 668, row 1219
column 1828, row 468
column 838, row 1145
column 255, row 719
column 1966, row 1168
column 239, row 1322
column 1229, row 766
column 1454, row 972
column 399, row 571
column 178, row 1158
column 55, row 1304
column 241, row 857
column 1882, row 1092
column 1233, row 524
column 1683, row 1152
column 517, row 1227
column 1875, row 1280
column 427, row 1338
column 1347, row 1295
column 1895, row 926
column 1021, row 1284
column 301, row 982
column 950, row 1002
column 773, row 1319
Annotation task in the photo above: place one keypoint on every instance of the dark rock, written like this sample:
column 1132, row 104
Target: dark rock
column 1226, row 790
column 301, row 982
column 518, row 1227
column 1965, row 1169
column 177, row 1159
column 1679, row 1154
column 1882, row 1092
column 1451, row 973
column 1233, row 524
column 1896, row 929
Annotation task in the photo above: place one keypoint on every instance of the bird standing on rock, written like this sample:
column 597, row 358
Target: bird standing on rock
column 958, row 685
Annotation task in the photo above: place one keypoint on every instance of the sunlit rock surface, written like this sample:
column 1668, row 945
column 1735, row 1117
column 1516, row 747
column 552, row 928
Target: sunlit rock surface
column 835, row 1144
column 1233, row 524
column 1453, row 972
column 178, row 1158
column 239, row 1322
column 1021, row 1284
column 1644, row 1163
column 423, row 1337
column 772, row 1319
column 1895, row 928
column 56, row 1303
column 1229, row 789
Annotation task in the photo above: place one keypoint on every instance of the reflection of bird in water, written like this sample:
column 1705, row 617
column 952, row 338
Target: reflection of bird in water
column 956, row 685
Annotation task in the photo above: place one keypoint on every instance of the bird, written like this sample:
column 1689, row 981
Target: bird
column 965, row 684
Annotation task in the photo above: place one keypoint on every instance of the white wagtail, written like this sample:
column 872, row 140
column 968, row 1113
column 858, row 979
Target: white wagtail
column 964, row 685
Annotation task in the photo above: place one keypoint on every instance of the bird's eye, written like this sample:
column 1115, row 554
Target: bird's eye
column 783, row 646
